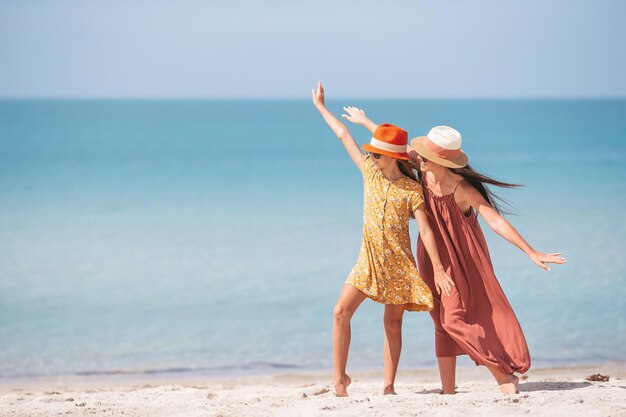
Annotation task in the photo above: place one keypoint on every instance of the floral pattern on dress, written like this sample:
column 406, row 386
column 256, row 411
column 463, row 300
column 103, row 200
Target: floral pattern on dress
column 386, row 270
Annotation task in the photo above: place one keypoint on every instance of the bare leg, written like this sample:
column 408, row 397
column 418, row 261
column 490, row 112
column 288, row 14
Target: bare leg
column 349, row 300
column 447, row 373
column 507, row 382
column 393, row 344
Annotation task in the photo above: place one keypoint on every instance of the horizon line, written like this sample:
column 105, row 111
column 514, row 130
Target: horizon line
column 306, row 98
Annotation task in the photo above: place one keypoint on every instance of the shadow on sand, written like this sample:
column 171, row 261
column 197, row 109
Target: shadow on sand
column 551, row 386
column 428, row 391
column 532, row 386
column 436, row 391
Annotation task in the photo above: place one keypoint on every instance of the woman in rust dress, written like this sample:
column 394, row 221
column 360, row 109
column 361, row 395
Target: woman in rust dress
column 473, row 316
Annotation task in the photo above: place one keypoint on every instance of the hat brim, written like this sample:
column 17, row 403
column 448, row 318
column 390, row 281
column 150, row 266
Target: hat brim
column 369, row 148
column 417, row 144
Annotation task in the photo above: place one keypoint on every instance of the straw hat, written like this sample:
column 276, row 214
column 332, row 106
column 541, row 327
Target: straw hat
column 442, row 145
column 389, row 140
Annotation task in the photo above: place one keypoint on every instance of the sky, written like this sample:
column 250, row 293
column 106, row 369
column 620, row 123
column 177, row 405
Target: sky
column 279, row 49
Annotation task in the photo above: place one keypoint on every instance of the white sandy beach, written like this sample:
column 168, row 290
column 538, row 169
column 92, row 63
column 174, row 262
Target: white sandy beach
column 545, row 392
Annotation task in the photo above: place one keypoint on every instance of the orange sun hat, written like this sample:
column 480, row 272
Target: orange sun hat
column 388, row 140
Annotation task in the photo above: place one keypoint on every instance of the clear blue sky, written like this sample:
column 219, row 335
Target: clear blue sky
column 210, row 48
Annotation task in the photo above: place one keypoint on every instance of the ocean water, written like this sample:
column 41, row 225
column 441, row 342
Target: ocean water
column 215, row 236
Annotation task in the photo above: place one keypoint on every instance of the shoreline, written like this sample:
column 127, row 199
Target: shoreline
column 615, row 369
column 550, row 391
column 464, row 367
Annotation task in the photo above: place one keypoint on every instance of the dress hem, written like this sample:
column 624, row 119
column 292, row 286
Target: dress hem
column 409, row 306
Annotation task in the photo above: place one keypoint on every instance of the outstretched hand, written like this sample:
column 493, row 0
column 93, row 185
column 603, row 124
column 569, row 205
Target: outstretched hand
column 541, row 259
column 354, row 115
column 318, row 96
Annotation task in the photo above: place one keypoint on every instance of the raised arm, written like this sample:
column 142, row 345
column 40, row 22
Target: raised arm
column 503, row 228
column 357, row 116
column 443, row 282
column 338, row 127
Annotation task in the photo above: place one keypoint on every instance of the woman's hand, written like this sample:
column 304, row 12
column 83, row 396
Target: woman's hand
column 541, row 259
column 318, row 96
column 443, row 282
column 356, row 116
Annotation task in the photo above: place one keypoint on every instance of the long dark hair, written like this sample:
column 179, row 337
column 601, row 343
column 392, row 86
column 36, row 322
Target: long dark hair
column 407, row 169
column 479, row 181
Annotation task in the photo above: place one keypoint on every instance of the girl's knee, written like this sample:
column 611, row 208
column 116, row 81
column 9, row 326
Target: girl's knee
column 393, row 324
column 341, row 313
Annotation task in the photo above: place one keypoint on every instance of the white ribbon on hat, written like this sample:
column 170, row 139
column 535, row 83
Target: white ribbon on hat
column 387, row 146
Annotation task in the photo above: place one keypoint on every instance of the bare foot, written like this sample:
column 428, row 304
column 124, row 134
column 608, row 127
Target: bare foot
column 389, row 390
column 448, row 391
column 508, row 385
column 342, row 385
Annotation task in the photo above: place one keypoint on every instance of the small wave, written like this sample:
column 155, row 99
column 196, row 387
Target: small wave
column 223, row 369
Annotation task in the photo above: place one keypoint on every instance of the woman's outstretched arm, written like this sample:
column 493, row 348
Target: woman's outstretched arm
column 338, row 128
column 357, row 116
column 502, row 227
column 443, row 282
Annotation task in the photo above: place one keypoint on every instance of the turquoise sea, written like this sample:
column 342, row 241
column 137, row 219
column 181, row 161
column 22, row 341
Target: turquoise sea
column 214, row 236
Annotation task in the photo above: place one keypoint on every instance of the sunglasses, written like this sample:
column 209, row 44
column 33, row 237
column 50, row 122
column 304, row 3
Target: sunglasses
column 374, row 155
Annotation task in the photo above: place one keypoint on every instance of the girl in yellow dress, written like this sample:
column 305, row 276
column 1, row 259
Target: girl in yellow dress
column 386, row 270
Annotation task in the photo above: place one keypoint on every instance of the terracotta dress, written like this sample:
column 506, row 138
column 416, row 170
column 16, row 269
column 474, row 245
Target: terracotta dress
column 386, row 271
column 476, row 318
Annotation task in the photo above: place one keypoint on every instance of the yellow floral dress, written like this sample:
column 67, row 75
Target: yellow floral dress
column 386, row 271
